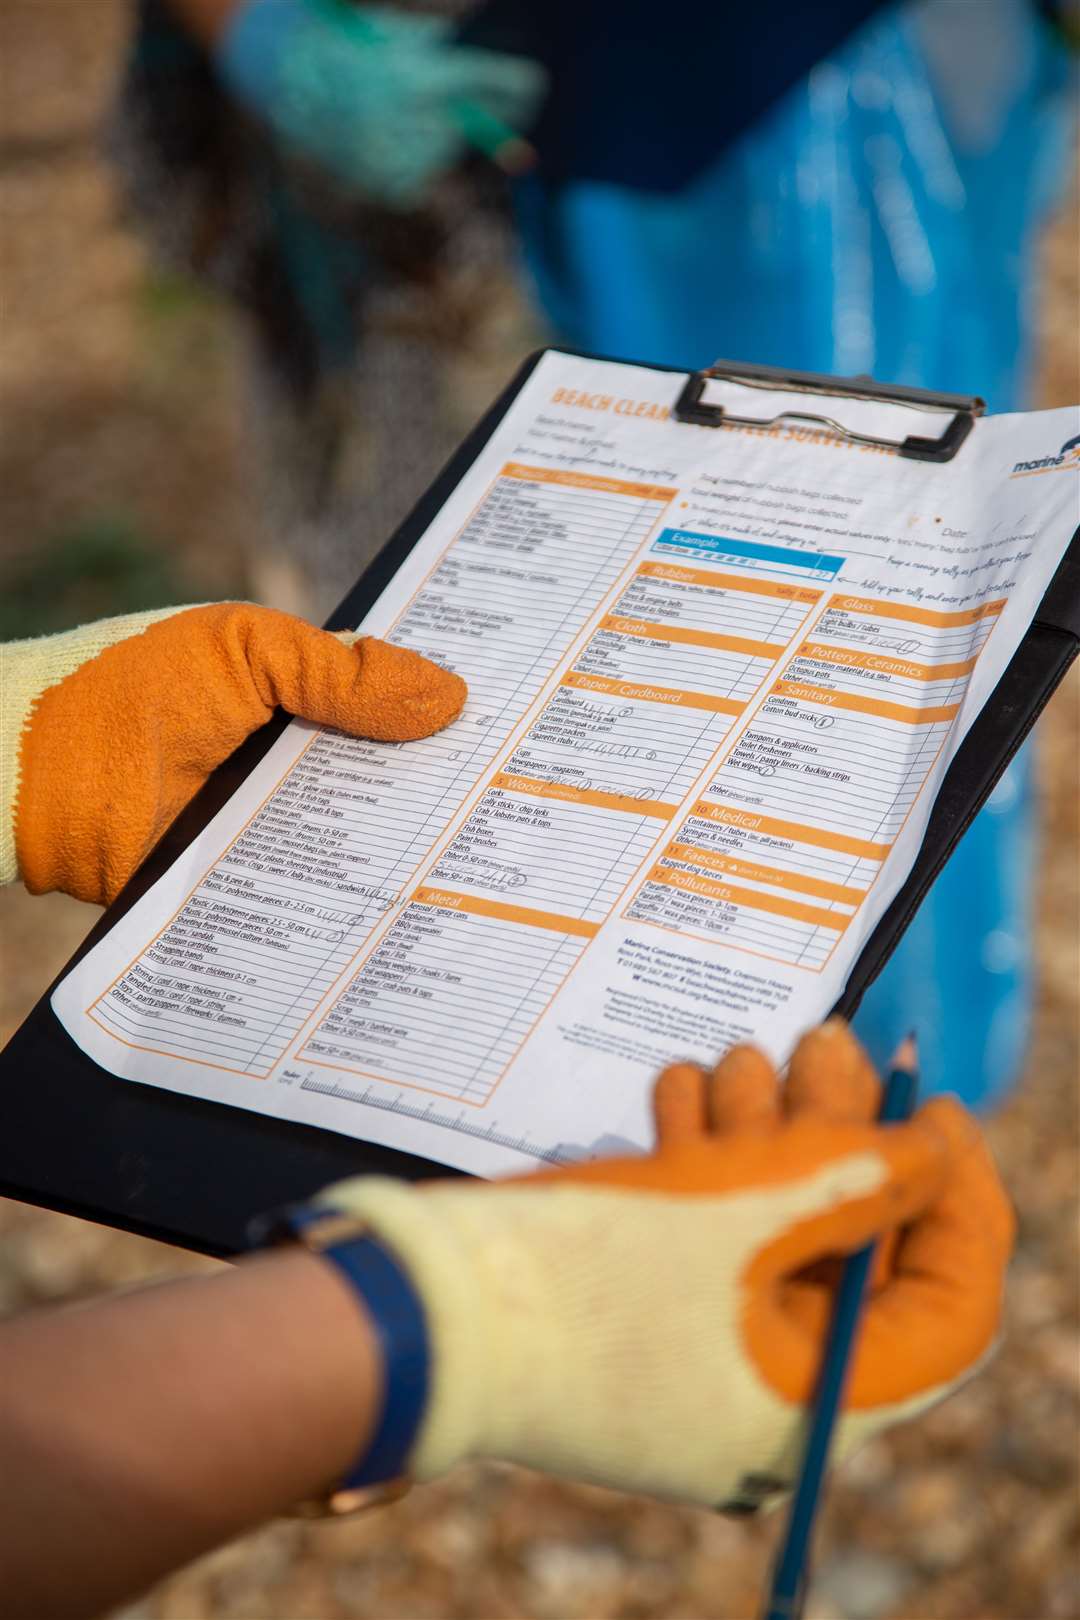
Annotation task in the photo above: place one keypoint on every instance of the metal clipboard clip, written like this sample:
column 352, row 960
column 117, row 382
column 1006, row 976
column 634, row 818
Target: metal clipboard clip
column 692, row 407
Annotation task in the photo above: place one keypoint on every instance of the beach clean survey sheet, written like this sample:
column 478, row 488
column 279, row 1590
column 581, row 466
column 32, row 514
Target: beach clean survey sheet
column 715, row 679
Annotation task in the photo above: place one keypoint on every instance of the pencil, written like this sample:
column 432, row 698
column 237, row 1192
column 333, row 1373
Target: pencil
column 788, row 1588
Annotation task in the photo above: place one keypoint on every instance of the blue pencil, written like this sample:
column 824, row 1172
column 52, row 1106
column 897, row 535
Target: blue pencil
column 788, row 1589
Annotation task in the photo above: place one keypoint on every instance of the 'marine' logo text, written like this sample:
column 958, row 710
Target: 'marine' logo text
column 1067, row 456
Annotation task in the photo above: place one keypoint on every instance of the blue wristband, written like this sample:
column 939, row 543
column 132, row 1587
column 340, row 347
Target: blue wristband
column 395, row 1311
column 393, row 1306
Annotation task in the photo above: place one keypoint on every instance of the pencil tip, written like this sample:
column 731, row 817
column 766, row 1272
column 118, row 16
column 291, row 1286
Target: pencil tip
column 907, row 1053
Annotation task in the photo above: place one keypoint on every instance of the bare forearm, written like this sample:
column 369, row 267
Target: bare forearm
column 204, row 19
column 142, row 1430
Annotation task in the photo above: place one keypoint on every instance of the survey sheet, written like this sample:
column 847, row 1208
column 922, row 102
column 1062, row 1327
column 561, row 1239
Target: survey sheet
column 715, row 679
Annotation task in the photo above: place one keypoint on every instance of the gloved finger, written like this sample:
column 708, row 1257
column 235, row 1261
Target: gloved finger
column 831, row 1076
column 944, row 1300
column 678, row 1103
column 943, row 1304
column 743, row 1091
column 413, row 30
column 883, row 1263
column 371, row 689
column 506, row 86
column 972, row 1223
column 473, row 70
column 834, row 1189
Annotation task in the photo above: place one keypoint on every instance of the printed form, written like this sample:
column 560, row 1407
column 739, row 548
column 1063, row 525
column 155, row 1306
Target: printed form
column 715, row 679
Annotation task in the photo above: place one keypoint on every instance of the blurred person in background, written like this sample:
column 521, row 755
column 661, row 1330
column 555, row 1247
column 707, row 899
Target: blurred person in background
column 309, row 158
column 847, row 188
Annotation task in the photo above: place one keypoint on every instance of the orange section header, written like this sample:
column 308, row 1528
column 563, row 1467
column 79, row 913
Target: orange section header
column 476, row 906
column 573, row 480
column 751, row 898
column 914, row 615
column 572, row 795
column 716, row 862
column 652, row 694
column 865, row 705
column 727, row 582
column 693, row 638
column 889, row 666
column 799, row 834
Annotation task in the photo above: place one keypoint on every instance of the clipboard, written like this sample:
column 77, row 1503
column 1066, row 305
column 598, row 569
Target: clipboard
column 75, row 1138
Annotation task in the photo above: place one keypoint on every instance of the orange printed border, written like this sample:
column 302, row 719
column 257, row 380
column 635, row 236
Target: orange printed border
column 804, row 693
column 752, row 899
column 467, row 806
column 479, row 906
column 878, row 609
column 735, row 866
column 573, row 480
column 678, row 633
column 841, row 658
column 754, row 822
column 204, row 1063
column 671, row 696
column 750, row 821
column 530, row 787
column 442, row 842
column 678, row 575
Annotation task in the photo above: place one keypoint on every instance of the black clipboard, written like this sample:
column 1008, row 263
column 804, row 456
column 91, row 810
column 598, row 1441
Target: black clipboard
column 74, row 1137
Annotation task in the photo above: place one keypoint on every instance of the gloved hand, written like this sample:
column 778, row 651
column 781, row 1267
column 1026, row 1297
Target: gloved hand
column 107, row 731
column 656, row 1323
column 372, row 95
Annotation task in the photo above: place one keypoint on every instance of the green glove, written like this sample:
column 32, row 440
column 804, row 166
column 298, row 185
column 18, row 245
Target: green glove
column 380, row 99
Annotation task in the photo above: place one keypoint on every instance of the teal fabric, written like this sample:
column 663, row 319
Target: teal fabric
column 377, row 98
column 882, row 218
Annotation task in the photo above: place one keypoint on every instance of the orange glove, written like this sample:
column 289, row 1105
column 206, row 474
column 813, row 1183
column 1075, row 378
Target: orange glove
column 656, row 1323
column 109, row 731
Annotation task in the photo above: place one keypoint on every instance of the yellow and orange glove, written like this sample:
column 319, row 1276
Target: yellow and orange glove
column 106, row 732
column 656, row 1323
